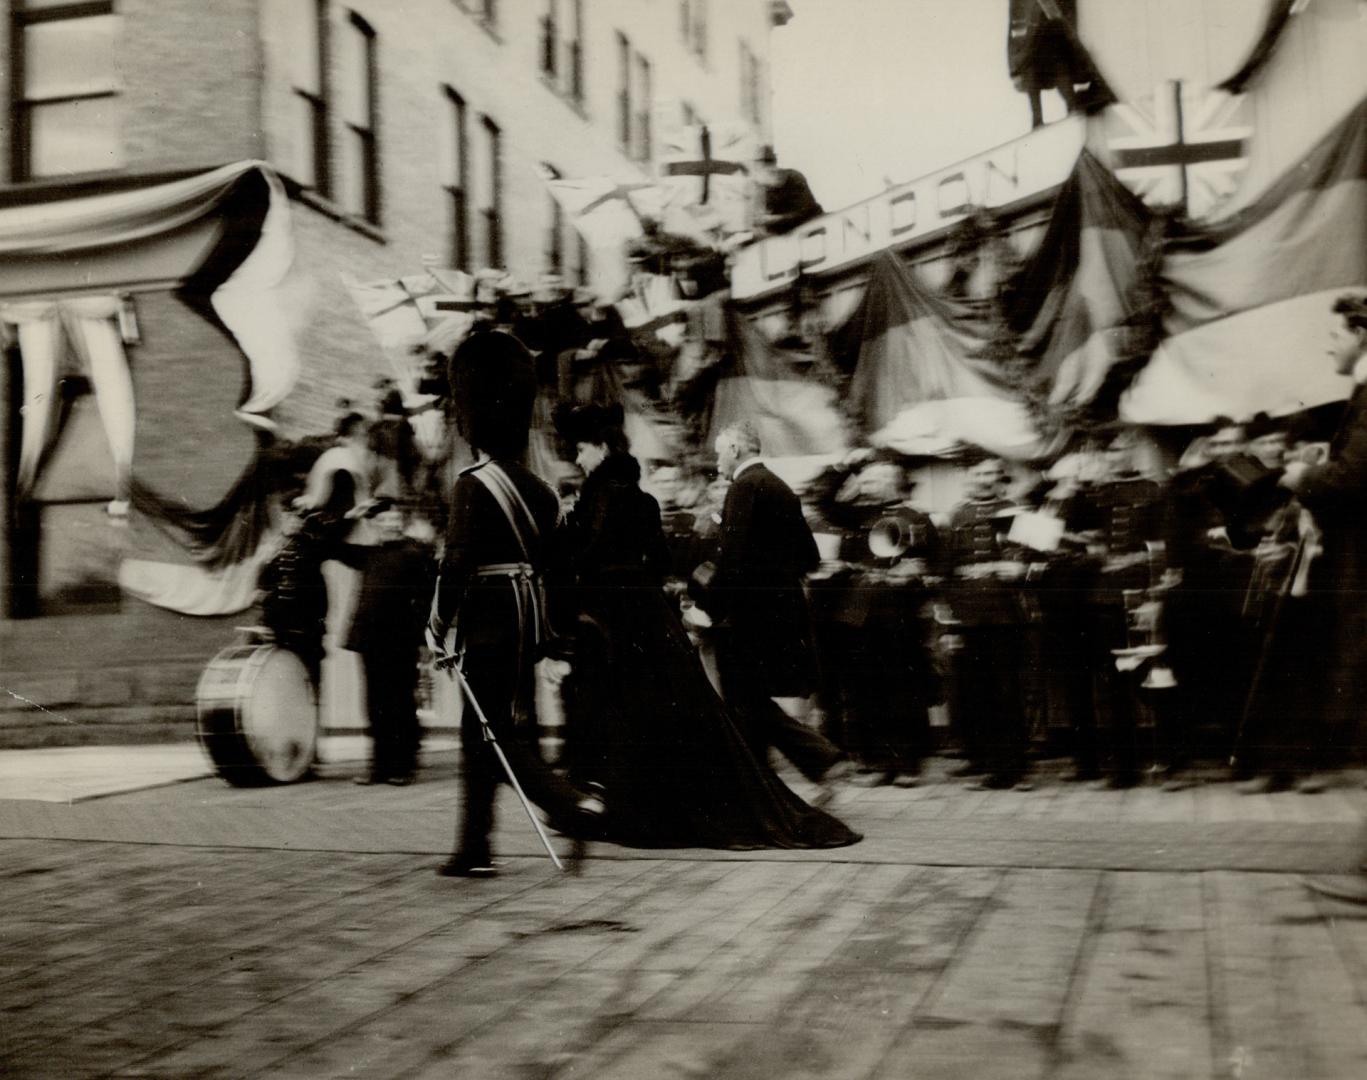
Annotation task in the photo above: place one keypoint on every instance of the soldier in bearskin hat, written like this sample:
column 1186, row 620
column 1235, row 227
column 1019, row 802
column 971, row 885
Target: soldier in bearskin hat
column 489, row 595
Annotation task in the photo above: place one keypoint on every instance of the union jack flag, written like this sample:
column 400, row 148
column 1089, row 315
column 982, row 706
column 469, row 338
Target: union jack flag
column 706, row 172
column 1184, row 147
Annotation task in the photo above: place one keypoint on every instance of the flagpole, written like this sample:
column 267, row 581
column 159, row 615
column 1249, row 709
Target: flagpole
column 1181, row 138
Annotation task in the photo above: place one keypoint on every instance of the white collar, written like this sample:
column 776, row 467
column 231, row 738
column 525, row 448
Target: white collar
column 745, row 465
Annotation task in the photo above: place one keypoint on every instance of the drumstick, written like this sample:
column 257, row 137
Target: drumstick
column 449, row 662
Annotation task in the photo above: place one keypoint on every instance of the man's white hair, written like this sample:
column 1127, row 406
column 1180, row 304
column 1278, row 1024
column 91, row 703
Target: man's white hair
column 744, row 436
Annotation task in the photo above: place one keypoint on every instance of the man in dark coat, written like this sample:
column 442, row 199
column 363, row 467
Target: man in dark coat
column 1333, row 491
column 489, row 591
column 786, row 200
column 764, row 639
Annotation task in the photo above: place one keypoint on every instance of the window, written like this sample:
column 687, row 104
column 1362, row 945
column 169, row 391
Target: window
column 309, row 57
column 66, row 110
column 693, row 26
column 550, row 40
column 575, row 52
column 555, row 230
column 457, row 185
column 493, row 208
column 624, row 91
column 644, row 103
column 360, row 173
column 750, row 103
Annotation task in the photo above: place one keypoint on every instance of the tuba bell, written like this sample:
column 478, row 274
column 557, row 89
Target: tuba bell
column 891, row 537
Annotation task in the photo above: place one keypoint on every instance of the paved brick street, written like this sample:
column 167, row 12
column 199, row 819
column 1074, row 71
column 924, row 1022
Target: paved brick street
column 199, row 930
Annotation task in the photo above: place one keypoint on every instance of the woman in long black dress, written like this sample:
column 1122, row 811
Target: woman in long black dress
column 645, row 722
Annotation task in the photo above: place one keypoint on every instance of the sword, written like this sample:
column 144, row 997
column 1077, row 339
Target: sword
column 450, row 662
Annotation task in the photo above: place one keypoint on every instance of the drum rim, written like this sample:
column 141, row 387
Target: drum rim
column 250, row 659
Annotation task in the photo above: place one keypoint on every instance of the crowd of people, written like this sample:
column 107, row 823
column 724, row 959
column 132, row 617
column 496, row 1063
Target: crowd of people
column 1136, row 617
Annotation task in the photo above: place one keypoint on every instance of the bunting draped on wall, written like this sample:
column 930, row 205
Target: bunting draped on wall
column 913, row 345
column 794, row 408
column 1044, row 51
column 232, row 222
column 1279, row 13
column 59, row 337
column 1078, row 303
column 922, row 378
column 223, row 238
column 1249, row 319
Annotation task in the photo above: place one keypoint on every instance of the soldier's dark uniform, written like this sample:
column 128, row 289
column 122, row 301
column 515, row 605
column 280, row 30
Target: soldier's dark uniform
column 986, row 703
column 1127, row 515
column 878, row 633
column 489, row 590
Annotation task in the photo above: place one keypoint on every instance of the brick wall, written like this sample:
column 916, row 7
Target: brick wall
column 189, row 86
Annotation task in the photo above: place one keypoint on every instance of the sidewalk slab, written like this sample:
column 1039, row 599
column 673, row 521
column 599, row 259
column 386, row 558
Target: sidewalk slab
column 70, row 774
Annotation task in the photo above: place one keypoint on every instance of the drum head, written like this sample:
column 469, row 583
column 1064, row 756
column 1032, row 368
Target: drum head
column 280, row 717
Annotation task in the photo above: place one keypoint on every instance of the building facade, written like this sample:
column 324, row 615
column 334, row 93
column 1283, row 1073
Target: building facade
column 405, row 134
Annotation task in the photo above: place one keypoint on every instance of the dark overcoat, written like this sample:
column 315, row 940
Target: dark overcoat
column 765, row 551
column 1336, row 493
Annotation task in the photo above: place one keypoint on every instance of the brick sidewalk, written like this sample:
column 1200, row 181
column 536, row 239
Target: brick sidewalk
column 199, row 930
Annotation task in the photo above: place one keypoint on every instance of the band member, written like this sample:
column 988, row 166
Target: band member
column 1208, row 642
column 294, row 595
column 1279, row 742
column 1125, row 525
column 872, row 603
column 757, row 602
column 989, row 636
column 489, row 592
column 386, row 629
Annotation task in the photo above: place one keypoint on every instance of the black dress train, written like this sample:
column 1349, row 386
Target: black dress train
column 644, row 720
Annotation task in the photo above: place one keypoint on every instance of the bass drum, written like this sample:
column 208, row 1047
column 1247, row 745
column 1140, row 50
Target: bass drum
column 258, row 716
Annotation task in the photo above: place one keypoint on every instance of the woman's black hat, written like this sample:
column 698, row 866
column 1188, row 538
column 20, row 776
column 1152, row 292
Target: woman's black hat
column 598, row 424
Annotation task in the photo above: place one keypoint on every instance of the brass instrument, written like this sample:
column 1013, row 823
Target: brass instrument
column 1146, row 641
column 891, row 537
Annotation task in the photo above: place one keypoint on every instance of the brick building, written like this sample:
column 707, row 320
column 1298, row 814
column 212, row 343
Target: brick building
column 402, row 133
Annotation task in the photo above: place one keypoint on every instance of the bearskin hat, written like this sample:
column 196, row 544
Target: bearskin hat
column 493, row 388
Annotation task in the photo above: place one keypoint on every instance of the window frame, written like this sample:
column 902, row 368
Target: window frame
column 493, row 211
column 624, row 111
column 574, row 54
column 555, row 231
column 458, row 185
column 21, row 107
column 548, row 59
column 642, row 135
column 368, row 136
column 319, row 104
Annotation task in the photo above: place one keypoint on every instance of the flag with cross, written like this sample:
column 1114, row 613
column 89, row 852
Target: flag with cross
column 1185, row 147
column 607, row 211
column 705, row 171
